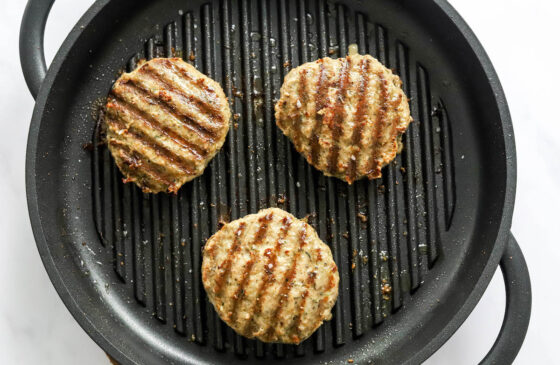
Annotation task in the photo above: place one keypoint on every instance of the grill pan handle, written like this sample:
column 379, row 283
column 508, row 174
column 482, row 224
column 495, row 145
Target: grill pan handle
column 518, row 306
column 31, row 50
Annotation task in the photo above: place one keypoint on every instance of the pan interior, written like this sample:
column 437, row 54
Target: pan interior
column 408, row 246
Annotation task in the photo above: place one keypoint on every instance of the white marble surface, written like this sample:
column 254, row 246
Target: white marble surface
column 521, row 39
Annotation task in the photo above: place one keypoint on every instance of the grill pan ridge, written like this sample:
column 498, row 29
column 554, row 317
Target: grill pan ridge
column 384, row 234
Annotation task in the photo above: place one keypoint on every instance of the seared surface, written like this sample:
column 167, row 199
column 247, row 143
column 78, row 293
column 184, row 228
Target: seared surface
column 346, row 116
column 164, row 122
column 269, row 276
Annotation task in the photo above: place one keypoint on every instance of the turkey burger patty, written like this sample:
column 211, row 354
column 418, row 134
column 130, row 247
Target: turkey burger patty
column 270, row 277
column 164, row 122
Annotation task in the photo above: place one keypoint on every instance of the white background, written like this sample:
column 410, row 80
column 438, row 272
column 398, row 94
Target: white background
column 521, row 38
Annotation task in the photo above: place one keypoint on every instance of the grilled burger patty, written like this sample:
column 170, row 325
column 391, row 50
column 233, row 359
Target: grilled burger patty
column 269, row 276
column 164, row 122
column 346, row 116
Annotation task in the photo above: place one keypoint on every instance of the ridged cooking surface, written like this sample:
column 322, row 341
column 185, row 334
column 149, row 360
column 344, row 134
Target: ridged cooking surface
column 384, row 234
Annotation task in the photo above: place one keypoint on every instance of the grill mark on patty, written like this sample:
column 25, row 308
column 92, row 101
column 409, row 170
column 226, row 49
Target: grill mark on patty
column 264, row 222
column 135, row 160
column 147, row 96
column 241, row 289
column 360, row 116
column 302, row 94
column 335, row 117
column 121, row 105
column 147, row 182
column 378, row 126
column 297, row 322
column 148, row 142
column 269, row 266
column 331, row 282
column 225, row 267
column 287, row 283
column 204, row 107
column 320, row 100
column 331, row 286
column 129, row 163
column 394, row 105
column 184, row 74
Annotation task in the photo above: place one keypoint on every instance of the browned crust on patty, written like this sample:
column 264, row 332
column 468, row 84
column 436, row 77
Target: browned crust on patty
column 346, row 115
column 270, row 277
column 164, row 122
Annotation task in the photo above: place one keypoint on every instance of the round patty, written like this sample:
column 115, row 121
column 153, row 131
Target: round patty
column 269, row 276
column 164, row 122
column 346, row 115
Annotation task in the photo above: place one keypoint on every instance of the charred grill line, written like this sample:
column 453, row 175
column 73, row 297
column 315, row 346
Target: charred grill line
column 269, row 266
column 302, row 114
column 336, row 115
column 135, row 160
column 297, row 322
column 139, row 136
column 320, row 103
column 225, row 266
column 241, row 289
column 184, row 74
column 150, row 122
column 287, row 282
column 375, row 166
column 204, row 107
column 259, row 235
column 148, row 97
column 359, row 118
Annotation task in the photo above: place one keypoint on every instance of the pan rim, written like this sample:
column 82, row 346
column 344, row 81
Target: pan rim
column 510, row 187
column 102, row 338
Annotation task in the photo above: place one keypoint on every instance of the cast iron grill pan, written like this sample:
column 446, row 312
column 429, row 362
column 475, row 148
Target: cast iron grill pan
column 384, row 234
column 415, row 249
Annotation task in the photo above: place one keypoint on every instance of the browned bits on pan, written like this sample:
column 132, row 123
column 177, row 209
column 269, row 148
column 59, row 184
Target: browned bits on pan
column 363, row 218
column 349, row 125
column 386, row 291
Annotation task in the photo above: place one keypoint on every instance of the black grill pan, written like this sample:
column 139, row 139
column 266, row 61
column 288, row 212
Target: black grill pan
column 415, row 249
